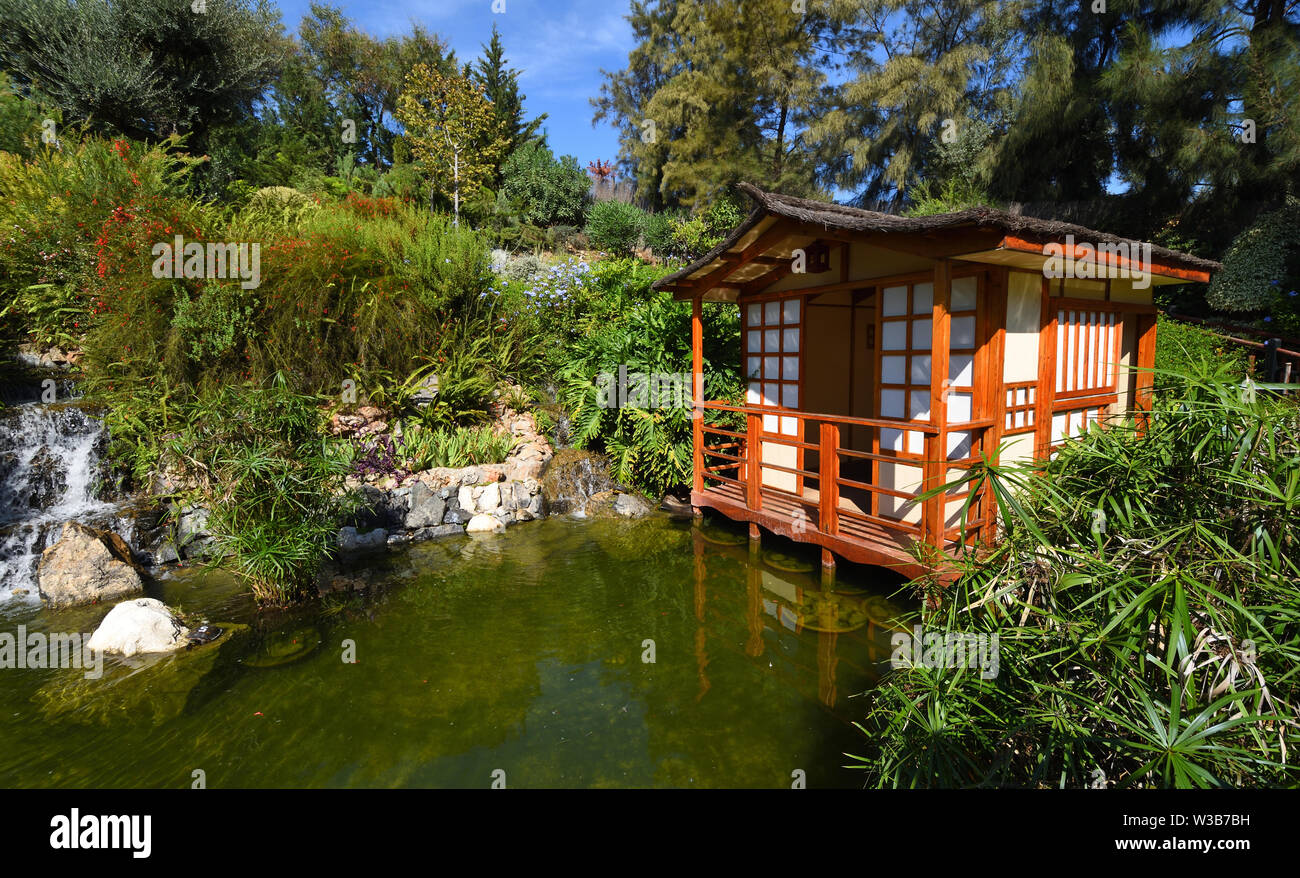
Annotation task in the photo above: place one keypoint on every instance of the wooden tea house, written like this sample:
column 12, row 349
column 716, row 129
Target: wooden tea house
column 885, row 355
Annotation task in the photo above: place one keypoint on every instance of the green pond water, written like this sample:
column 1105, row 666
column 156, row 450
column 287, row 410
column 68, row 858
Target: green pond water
column 521, row 653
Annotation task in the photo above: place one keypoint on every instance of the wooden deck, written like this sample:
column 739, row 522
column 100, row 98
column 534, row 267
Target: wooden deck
column 856, row 540
column 834, row 496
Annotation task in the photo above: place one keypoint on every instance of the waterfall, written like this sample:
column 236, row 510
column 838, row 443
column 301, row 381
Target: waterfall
column 572, row 477
column 50, row 473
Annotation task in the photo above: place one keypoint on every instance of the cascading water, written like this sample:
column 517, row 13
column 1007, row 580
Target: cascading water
column 572, row 478
column 50, row 473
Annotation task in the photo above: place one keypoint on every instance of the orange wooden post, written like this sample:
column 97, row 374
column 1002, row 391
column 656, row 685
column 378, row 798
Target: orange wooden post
column 995, row 400
column 754, row 462
column 697, row 381
column 1146, row 361
column 936, row 444
column 828, row 478
column 1045, row 392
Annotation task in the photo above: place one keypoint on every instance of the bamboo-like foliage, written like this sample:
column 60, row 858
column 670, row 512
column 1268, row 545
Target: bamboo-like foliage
column 1145, row 601
column 272, row 484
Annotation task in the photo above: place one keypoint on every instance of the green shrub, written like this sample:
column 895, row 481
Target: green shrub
column 1144, row 602
column 650, row 447
column 402, row 181
column 214, row 323
column 545, row 190
column 52, row 314
column 58, row 205
column 1183, row 349
column 1257, row 263
column 615, row 226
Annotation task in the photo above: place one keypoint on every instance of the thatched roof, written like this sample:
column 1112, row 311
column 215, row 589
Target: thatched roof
column 837, row 217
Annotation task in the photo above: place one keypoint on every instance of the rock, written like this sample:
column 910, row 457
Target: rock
column 480, row 524
column 489, row 500
column 351, row 541
column 631, row 506
column 380, row 509
column 152, row 535
column 427, row 507
column 141, row 625
column 442, row 530
column 574, row 479
column 465, row 500
column 46, row 481
column 85, row 565
column 192, row 537
column 676, row 507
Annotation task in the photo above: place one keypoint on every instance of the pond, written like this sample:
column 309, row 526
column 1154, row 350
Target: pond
column 522, row 657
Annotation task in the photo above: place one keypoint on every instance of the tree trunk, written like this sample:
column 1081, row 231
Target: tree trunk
column 455, row 189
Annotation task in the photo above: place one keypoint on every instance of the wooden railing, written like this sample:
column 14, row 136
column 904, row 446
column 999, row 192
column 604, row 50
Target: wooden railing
column 733, row 456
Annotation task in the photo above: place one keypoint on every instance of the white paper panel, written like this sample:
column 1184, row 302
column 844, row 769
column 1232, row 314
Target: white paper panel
column 959, row 407
column 893, row 370
column 964, row 291
column 893, row 335
column 919, row 405
column 961, row 369
column 923, row 298
column 920, row 369
column 959, row 445
column 921, row 334
column 963, row 333
column 790, row 310
column 893, row 301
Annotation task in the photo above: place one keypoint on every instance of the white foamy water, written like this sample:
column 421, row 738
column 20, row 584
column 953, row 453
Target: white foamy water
column 50, row 473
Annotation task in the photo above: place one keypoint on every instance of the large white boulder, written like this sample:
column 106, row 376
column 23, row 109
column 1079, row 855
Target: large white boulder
column 140, row 625
column 485, row 524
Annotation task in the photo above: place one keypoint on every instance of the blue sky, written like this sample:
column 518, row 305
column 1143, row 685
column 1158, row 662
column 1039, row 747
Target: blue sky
column 559, row 45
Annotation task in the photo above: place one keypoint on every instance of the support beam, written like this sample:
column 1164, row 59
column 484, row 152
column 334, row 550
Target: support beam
column 934, row 511
column 697, row 380
column 1045, row 393
column 994, row 349
column 1146, row 361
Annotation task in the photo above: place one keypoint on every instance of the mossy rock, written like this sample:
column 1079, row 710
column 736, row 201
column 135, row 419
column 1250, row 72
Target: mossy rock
column 884, row 612
column 787, row 562
column 830, row 612
column 155, row 687
column 721, row 536
column 285, row 646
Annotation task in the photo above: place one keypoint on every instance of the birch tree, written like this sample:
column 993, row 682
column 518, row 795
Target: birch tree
column 453, row 131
